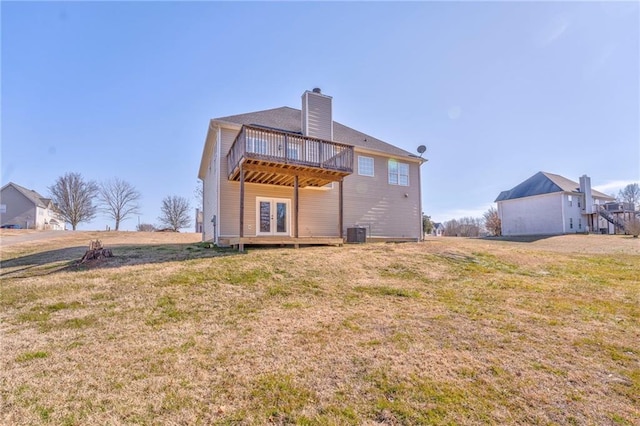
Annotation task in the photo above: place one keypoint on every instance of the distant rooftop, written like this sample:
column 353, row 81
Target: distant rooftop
column 545, row 183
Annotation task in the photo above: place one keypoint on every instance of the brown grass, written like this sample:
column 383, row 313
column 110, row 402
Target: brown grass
column 449, row 331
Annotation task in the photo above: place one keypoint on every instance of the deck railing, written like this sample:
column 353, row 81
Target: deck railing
column 275, row 146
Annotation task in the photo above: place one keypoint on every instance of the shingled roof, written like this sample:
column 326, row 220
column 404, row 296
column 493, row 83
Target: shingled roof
column 32, row 195
column 545, row 183
column 290, row 120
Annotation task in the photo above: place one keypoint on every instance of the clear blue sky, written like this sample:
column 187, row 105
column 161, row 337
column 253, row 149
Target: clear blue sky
column 497, row 91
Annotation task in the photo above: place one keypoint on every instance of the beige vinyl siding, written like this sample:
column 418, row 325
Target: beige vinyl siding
column 210, row 188
column 317, row 118
column 383, row 209
column 229, row 191
column 318, row 208
column 368, row 201
column 319, row 214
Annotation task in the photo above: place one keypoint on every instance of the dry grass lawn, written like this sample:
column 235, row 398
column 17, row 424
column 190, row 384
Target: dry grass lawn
column 449, row 331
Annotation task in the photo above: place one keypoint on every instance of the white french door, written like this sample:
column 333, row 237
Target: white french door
column 272, row 216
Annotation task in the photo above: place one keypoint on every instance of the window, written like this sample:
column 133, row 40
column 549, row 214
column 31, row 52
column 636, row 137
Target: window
column 578, row 202
column 398, row 173
column 570, row 223
column 325, row 187
column 256, row 146
column 365, row 166
column 293, row 152
column 570, row 200
column 579, row 223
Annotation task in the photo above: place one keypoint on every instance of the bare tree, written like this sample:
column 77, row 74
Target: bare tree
column 145, row 227
column 73, row 198
column 198, row 193
column 463, row 227
column 427, row 224
column 119, row 200
column 632, row 226
column 630, row 194
column 492, row 222
column 175, row 212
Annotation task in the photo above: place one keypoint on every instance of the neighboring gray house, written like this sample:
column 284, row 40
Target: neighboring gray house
column 27, row 209
column 295, row 176
column 549, row 204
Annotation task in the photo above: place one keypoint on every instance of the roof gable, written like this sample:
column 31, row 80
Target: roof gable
column 290, row 120
column 31, row 195
column 544, row 183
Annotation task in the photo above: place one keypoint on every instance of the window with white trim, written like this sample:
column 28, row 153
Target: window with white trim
column 365, row 166
column 398, row 173
column 256, row 145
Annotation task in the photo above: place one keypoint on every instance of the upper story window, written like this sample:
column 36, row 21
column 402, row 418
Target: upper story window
column 398, row 173
column 570, row 200
column 365, row 166
column 256, row 145
column 293, row 152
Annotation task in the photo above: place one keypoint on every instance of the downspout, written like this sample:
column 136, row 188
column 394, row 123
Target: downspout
column 564, row 219
column 421, row 213
column 203, row 217
column 420, row 227
column 218, row 165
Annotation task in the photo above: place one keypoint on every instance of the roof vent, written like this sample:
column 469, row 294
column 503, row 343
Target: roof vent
column 316, row 90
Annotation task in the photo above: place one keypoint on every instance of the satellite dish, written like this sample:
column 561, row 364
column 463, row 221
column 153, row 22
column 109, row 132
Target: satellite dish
column 422, row 149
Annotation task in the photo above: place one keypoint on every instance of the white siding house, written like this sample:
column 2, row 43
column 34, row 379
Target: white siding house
column 549, row 204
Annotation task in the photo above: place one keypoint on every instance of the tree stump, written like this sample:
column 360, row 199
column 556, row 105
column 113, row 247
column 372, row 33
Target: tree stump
column 96, row 251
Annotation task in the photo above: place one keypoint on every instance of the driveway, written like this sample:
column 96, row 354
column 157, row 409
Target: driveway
column 10, row 240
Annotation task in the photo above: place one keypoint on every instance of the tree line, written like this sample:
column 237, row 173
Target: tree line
column 77, row 200
column 488, row 224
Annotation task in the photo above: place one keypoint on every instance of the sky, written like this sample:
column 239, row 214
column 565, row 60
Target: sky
column 496, row 91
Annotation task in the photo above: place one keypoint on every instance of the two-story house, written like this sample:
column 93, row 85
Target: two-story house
column 549, row 204
column 295, row 176
column 25, row 208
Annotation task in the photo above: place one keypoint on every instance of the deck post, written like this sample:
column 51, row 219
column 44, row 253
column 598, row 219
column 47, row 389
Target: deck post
column 295, row 206
column 340, row 206
column 241, row 207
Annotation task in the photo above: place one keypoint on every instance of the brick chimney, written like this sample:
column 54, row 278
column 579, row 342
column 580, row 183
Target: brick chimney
column 317, row 116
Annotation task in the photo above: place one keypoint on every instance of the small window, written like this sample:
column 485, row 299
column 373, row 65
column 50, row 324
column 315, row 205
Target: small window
column 570, row 223
column 293, row 153
column 325, row 187
column 398, row 173
column 365, row 166
column 579, row 202
column 570, row 200
column 256, row 146
column 579, row 223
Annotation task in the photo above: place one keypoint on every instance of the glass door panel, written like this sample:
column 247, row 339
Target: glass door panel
column 265, row 217
column 281, row 218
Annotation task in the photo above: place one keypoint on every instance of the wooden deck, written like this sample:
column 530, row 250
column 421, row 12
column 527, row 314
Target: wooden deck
column 275, row 157
column 240, row 242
